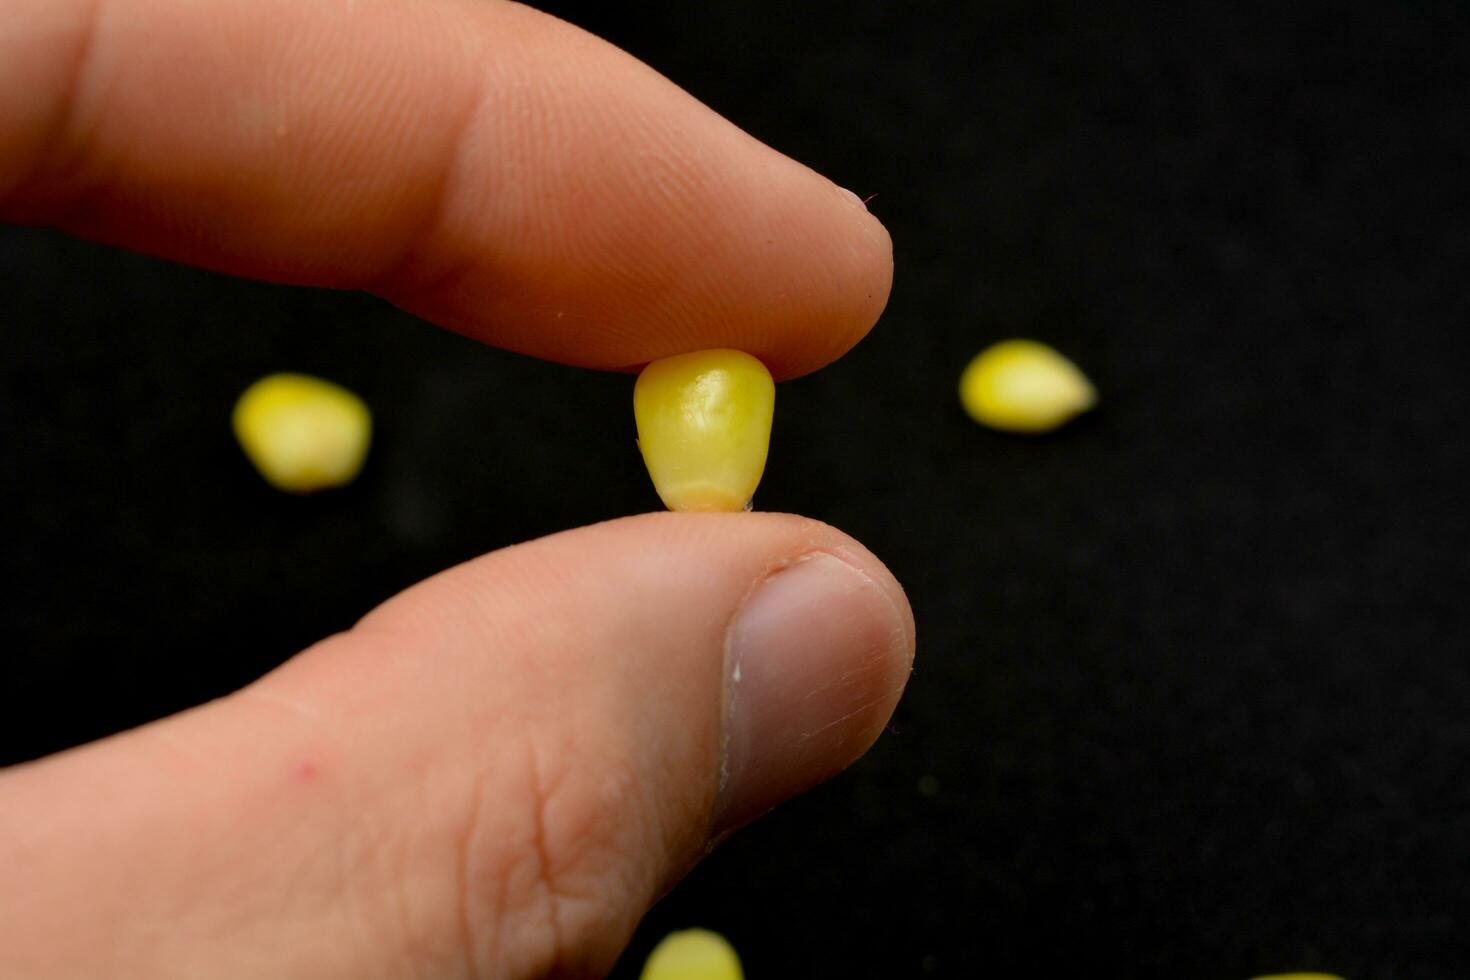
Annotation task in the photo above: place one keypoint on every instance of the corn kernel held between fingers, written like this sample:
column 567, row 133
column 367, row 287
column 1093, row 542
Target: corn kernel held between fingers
column 694, row 954
column 704, row 428
column 302, row 433
column 1024, row 386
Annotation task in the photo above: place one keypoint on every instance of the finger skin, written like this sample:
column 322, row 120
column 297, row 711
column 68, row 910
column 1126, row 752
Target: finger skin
column 481, row 164
column 493, row 775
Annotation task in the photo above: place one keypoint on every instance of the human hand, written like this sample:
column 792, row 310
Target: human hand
column 496, row 772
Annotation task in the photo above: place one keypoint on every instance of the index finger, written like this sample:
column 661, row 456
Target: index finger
column 478, row 163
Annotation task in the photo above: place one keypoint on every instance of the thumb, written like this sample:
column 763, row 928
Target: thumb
column 492, row 775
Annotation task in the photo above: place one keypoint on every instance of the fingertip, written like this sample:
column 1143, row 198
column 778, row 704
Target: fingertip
column 817, row 657
column 857, row 280
column 485, row 166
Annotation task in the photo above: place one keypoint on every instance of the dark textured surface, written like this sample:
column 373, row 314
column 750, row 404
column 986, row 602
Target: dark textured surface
column 1193, row 694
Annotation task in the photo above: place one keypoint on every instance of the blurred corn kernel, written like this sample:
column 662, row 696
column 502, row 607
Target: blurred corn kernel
column 302, row 433
column 704, row 428
column 1300, row 976
column 1024, row 386
column 694, row 954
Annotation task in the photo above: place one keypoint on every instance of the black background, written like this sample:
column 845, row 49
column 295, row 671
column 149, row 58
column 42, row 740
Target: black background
column 1193, row 688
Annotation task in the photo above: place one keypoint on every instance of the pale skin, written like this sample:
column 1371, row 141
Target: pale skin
column 495, row 773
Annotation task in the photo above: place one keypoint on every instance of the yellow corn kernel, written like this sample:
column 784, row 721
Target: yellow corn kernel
column 704, row 427
column 1301, row 976
column 695, row 954
column 1024, row 386
column 302, row 433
